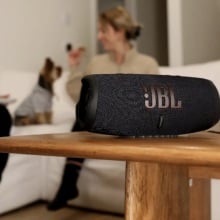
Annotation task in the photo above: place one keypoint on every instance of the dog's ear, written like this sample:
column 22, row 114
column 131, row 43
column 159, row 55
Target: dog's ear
column 59, row 71
column 48, row 65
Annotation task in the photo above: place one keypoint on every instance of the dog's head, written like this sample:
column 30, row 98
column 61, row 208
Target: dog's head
column 48, row 74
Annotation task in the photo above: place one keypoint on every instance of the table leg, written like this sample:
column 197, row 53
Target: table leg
column 200, row 199
column 156, row 192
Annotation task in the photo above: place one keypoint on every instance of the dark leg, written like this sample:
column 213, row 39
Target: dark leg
column 68, row 188
column 3, row 162
column 5, row 126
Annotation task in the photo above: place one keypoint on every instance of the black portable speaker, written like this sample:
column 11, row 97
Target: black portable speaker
column 146, row 105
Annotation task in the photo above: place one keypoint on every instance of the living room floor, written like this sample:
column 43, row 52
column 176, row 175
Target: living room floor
column 38, row 211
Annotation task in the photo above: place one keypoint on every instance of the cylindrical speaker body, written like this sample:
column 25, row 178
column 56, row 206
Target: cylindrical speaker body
column 146, row 105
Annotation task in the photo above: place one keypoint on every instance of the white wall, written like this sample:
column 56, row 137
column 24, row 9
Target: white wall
column 194, row 31
column 34, row 29
column 201, row 30
column 175, row 42
column 153, row 40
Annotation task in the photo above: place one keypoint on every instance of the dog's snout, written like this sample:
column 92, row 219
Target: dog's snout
column 57, row 72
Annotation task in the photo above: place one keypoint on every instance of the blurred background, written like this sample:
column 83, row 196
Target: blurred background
column 175, row 32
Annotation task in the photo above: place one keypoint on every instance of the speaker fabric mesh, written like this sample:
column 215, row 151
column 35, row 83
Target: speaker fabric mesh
column 143, row 105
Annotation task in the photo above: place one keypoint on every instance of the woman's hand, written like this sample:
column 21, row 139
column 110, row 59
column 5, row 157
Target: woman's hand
column 75, row 56
column 6, row 96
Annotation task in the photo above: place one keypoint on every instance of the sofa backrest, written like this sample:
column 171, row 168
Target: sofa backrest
column 20, row 84
column 209, row 70
column 17, row 84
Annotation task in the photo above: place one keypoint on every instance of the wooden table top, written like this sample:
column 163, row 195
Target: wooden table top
column 195, row 149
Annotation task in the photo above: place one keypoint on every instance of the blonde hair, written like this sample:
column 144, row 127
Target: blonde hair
column 119, row 18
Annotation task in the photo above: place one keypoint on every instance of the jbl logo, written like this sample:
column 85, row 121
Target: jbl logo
column 161, row 97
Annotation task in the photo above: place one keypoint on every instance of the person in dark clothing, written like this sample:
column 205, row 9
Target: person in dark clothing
column 68, row 188
column 5, row 127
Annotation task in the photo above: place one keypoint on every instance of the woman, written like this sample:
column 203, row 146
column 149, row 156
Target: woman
column 116, row 30
column 5, row 126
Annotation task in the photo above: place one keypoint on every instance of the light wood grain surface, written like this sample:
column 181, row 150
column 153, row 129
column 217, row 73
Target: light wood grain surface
column 156, row 192
column 194, row 149
column 198, row 150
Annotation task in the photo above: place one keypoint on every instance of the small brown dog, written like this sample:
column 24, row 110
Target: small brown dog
column 37, row 107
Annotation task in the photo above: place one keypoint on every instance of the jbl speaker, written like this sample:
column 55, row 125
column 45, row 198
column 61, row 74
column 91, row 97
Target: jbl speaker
column 146, row 105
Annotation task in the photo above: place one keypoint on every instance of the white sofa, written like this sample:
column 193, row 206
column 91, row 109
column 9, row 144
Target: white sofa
column 28, row 178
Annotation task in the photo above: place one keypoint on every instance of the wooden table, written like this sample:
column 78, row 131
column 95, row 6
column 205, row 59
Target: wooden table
column 157, row 169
